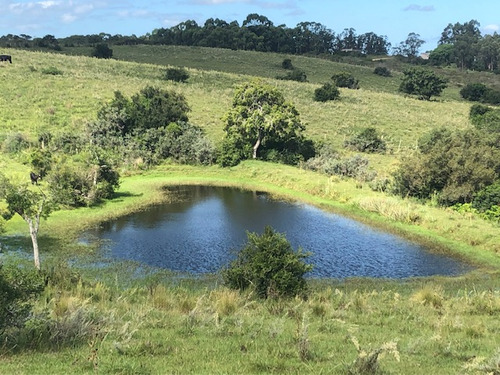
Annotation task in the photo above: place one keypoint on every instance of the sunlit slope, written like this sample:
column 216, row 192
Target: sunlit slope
column 33, row 101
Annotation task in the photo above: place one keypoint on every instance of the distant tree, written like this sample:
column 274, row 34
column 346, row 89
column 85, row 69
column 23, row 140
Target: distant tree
column 489, row 52
column 410, row 47
column 102, row 51
column 270, row 265
column 453, row 166
column 177, row 74
column 442, row 55
column 287, row 64
column 473, row 92
column 382, row 71
column 260, row 114
column 345, row 79
column 326, row 92
column 294, row 75
column 30, row 205
column 152, row 107
column 465, row 41
column 422, row 82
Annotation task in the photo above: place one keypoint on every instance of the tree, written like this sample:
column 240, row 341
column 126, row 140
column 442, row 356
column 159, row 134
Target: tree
column 270, row 265
column 102, row 51
column 473, row 92
column 442, row 55
column 345, row 79
column 410, row 47
column 422, row 82
column 464, row 38
column 151, row 108
column 326, row 92
column 30, row 205
column 177, row 74
column 452, row 165
column 260, row 113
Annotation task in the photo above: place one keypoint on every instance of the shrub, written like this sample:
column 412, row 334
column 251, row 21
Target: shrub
column 270, row 265
column 382, row 71
column 487, row 198
column 326, row 92
column 488, row 121
column 478, row 110
column 329, row 162
column 52, row 70
column 295, row 75
column 17, row 288
column 422, row 82
column 177, row 74
column 366, row 141
column 15, row 143
column 491, row 96
column 473, row 92
column 287, row 64
column 345, row 79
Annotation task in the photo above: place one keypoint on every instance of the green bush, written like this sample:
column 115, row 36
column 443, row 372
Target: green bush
column 52, row 70
column 270, row 265
column 422, row 82
column 326, row 92
column 491, row 96
column 473, row 92
column 17, row 288
column 329, row 162
column 295, row 75
column 177, row 74
column 382, row 71
column 102, row 51
column 15, row 143
column 345, row 79
column 487, row 198
column 366, row 141
column 485, row 118
column 287, row 64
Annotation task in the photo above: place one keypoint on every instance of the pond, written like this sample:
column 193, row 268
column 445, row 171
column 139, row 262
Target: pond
column 201, row 231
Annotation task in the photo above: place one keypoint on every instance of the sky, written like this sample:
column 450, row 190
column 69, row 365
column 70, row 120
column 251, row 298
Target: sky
column 392, row 18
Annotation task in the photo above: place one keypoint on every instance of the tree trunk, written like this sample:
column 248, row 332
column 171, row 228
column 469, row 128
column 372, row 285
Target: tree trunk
column 256, row 147
column 34, row 239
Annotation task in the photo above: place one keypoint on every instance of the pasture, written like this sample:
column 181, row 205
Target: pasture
column 161, row 323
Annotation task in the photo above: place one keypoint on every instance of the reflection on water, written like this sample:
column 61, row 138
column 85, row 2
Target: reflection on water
column 201, row 231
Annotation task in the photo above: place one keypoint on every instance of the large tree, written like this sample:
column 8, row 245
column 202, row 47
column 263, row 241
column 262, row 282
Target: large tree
column 260, row 114
column 29, row 204
column 422, row 82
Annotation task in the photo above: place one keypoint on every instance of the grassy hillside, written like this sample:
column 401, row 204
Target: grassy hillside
column 33, row 101
column 110, row 323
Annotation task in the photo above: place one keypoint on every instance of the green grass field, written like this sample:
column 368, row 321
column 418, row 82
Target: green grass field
column 165, row 324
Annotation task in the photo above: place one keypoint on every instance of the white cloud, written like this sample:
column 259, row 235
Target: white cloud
column 419, row 8
column 491, row 28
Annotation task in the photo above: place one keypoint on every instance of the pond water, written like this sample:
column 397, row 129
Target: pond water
column 202, row 230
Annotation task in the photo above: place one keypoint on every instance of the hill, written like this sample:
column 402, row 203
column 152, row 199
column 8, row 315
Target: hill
column 34, row 100
column 90, row 320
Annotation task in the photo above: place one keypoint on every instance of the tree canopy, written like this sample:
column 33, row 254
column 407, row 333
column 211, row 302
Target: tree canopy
column 422, row 82
column 260, row 115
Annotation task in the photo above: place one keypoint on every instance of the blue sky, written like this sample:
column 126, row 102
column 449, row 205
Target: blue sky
column 393, row 18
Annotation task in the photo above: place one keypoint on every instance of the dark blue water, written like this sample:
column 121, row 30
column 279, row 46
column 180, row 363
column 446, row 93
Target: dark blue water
column 200, row 233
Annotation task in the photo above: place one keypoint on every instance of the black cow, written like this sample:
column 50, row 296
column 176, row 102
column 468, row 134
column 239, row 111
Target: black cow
column 34, row 178
column 6, row 58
